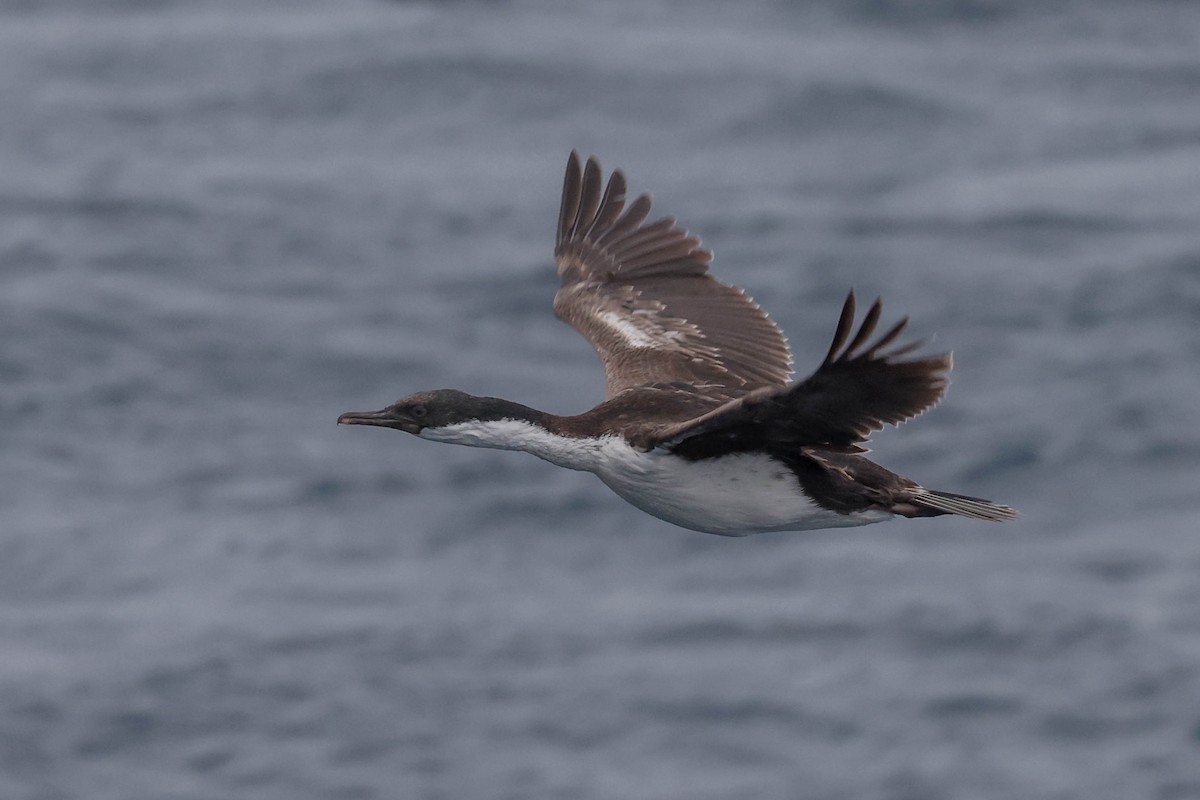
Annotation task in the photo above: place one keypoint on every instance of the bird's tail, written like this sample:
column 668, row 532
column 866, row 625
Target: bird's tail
column 930, row 503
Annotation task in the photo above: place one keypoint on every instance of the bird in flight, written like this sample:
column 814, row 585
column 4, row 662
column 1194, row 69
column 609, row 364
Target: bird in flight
column 701, row 424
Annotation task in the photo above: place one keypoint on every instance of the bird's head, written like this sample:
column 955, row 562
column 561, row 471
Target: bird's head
column 416, row 412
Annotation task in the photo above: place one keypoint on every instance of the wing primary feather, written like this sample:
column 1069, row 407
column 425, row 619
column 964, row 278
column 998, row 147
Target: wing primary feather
column 610, row 205
column 692, row 265
column 569, row 209
column 890, row 337
column 865, row 330
column 845, row 323
column 665, row 249
column 628, row 222
column 628, row 242
column 905, row 349
column 589, row 196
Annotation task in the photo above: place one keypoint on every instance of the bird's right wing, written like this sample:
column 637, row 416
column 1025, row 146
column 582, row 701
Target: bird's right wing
column 857, row 389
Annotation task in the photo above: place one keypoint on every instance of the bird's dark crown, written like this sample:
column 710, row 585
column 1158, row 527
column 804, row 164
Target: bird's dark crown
column 439, row 408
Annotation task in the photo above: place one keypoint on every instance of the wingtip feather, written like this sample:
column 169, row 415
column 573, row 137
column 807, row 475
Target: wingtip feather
column 845, row 323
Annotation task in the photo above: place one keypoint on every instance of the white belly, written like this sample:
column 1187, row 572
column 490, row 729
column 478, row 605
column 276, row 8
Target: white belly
column 735, row 495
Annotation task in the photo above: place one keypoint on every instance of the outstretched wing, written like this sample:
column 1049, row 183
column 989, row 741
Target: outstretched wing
column 856, row 390
column 642, row 295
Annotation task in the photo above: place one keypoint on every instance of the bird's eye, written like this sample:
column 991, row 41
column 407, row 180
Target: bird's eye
column 417, row 410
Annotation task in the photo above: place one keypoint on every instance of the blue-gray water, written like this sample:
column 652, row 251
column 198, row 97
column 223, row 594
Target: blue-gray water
column 224, row 223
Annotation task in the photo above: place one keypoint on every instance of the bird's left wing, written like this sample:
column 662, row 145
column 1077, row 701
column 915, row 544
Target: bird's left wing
column 642, row 295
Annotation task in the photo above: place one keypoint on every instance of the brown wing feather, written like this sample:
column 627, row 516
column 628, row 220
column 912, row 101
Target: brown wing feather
column 855, row 391
column 642, row 295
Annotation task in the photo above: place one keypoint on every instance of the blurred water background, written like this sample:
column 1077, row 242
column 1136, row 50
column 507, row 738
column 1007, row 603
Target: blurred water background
column 224, row 223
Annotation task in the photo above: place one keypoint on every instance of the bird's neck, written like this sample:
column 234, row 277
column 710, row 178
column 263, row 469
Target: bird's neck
column 519, row 427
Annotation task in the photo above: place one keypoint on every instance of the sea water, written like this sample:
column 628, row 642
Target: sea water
column 222, row 224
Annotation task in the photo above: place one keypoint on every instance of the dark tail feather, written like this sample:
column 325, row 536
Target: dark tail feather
column 927, row 500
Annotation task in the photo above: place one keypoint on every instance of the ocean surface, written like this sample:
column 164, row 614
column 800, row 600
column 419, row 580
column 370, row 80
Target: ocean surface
column 224, row 223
